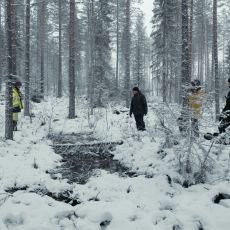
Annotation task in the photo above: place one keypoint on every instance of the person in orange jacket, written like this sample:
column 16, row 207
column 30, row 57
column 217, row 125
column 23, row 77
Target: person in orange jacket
column 195, row 101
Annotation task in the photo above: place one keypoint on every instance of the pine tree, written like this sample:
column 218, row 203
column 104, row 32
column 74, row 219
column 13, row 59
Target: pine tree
column 27, row 61
column 127, row 42
column 72, row 55
column 102, row 50
column 42, row 21
column 60, row 49
column 215, row 59
column 139, row 57
column 185, row 51
column 2, row 50
column 11, row 66
column 165, row 42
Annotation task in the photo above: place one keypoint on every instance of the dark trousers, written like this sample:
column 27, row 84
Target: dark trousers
column 224, row 124
column 15, row 128
column 139, row 118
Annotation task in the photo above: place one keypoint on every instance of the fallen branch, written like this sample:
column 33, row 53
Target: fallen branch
column 92, row 144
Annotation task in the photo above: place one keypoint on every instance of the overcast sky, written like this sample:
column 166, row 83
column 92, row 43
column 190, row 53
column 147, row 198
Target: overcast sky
column 147, row 8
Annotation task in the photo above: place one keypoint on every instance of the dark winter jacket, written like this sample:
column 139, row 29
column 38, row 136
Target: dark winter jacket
column 138, row 105
column 227, row 106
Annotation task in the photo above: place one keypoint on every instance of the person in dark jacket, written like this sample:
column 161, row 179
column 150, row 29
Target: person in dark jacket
column 225, row 115
column 138, row 108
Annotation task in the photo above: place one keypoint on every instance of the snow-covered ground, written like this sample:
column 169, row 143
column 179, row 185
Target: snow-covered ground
column 145, row 202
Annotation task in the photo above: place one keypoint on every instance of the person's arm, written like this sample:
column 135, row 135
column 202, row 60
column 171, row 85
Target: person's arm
column 145, row 105
column 21, row 99
column 15, row 98
column 227, row 106
column 131, row 108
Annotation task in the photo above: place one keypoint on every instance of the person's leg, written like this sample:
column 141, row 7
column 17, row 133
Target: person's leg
column 138, row 122
column 142, row 122
column 15, row 121
column 223, row 125
column 227, row 122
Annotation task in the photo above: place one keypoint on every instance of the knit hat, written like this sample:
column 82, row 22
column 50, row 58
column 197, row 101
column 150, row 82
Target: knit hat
column 195, row 82
column 17, row 83
column 136, row 89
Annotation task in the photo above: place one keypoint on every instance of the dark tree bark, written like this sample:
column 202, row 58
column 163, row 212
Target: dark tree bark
column 127, row 53
column 42, row 45
column 215, row 59
column 185, row 58
column 60, row 50
column 72, row 59
column 27, row 61
column 11, row 66
column 1, row 50
column 190, row 38
column 117, row 47
column 92, row 64
column 165, row 56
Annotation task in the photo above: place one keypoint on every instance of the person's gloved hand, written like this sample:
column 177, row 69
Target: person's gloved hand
column 222, row 116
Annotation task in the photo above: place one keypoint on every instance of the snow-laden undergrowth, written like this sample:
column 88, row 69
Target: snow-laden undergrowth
column 146, row 202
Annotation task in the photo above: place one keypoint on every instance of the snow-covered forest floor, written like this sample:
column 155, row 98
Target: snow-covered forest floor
column 150, row 198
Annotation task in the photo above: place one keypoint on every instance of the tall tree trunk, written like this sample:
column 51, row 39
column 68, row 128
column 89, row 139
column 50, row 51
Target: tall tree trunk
column 207, row 70
column 1, row 50
column 127, row 53
column 185, row 58
column 202, row 78
column 47, row 57
column 72, row 59
column 37, row 80
column 27, row 61
column 42, row 46
column 165, row 56
column 11, row 65
column 158, row 75
column 117, row 47
column 60, row 50
column 91, row 32
column 215, row 59
column 190, row 38
column 88, row 49
column 178, row 69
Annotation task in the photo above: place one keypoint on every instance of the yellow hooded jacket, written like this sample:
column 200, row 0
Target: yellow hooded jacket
column 195, row 102
column 17, row 99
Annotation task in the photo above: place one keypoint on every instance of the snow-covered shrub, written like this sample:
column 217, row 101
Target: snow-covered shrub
column 192, row 157
column 194, row 160
column 93, row 120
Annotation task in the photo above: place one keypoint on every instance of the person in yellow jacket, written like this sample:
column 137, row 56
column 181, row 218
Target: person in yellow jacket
column 195, row 100
column 17, row 103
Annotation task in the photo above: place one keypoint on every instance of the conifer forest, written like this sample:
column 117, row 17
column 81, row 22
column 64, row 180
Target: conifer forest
column 114, row 114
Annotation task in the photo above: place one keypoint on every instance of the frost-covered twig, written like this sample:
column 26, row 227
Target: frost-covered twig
column 4, row 198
